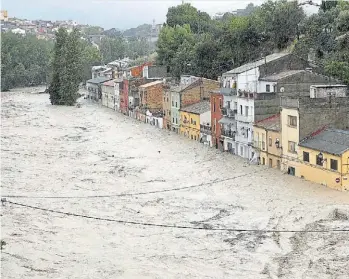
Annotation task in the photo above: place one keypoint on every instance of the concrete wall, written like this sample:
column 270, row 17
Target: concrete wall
column 288, row 62
column 265, row 108
column 299, row 84
column 315, row 113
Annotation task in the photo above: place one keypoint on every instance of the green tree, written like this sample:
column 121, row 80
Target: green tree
column 66, row 68
column 112, row 49
column 25, row 60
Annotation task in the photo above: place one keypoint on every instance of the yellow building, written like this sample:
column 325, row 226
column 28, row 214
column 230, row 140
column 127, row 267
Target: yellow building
column 325, row 158
column 190, row 118
column 267, row 141
column 289, row 119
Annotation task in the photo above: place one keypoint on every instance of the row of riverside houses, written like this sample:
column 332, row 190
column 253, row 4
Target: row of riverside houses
column 279, row 111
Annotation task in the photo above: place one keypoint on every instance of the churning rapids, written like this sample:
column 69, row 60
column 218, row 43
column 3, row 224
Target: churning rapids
column 88, row 156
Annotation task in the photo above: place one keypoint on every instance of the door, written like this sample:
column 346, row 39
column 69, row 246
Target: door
column 291, row 171
column 278, row 164
column 230, row 147
column 270, row 163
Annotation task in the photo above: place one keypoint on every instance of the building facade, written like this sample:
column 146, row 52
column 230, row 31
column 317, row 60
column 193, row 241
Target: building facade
column 151, row 96
column 300, row 117
column 190, row 119
column 324, row 158
column 267, row 141
column 216, row 101
column 94, row 88
column 190, row 91
column 166, row 106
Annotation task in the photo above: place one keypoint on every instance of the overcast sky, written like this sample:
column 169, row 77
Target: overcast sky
column 121, row 14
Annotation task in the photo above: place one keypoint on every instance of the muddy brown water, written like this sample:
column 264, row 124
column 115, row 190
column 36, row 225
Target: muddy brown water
column 75, row 153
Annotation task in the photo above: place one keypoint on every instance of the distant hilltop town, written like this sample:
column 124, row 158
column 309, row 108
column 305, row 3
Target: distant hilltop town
column 45, row 29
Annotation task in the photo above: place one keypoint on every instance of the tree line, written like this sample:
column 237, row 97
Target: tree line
column 27, row 61
column 192, row 42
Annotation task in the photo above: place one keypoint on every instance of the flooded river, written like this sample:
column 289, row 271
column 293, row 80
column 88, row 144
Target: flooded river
column 165, row 207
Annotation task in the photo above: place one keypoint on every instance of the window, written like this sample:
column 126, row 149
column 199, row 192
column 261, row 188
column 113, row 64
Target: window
column 172, row 103
column 214, row 105
column 246, row 110
column 292, row 121
column 176, row 121
column 194, row 137
column 267, row 88
column 241, row 150
column 278, row 164
column 167, row 99
column 270, row 163
column 164, row 99
column 191, row 120
column 176, row 104
column 263, row 161
column 235, row 105
column 173, row 120
column 305, row 156
column 334, row 164
column 319, row 159
column 220, row 103
column 292, row 147
column 241, row 109
column 270, row 141
column 191, row 136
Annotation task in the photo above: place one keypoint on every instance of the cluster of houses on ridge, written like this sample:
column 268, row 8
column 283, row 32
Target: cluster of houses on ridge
column 278, row 111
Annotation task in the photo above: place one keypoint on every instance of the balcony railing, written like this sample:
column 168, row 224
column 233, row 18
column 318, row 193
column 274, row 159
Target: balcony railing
column 245, row 94
column 228, row 133
column 228, row 91
column 205, row 129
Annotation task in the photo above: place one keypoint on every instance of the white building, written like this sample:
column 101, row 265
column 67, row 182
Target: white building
column 205, row 127
column 239, row 88
column 18, row 31
column 229, row 109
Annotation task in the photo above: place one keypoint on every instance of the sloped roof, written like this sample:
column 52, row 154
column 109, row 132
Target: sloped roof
column 281, row 75
column 331, row 141
column 270, row 123
column 98, row 80
column 198, row 108
column 251, row 65
column 151, row 84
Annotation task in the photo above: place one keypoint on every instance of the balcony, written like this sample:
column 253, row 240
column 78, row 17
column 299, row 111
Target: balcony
column 227, row 91
column 228, row 133
column 245, row 94
column 228, row 112
column 244, row 118
column 205, row 129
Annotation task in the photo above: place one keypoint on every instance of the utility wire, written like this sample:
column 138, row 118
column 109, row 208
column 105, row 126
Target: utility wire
column 130, row 194
column 126, row 222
